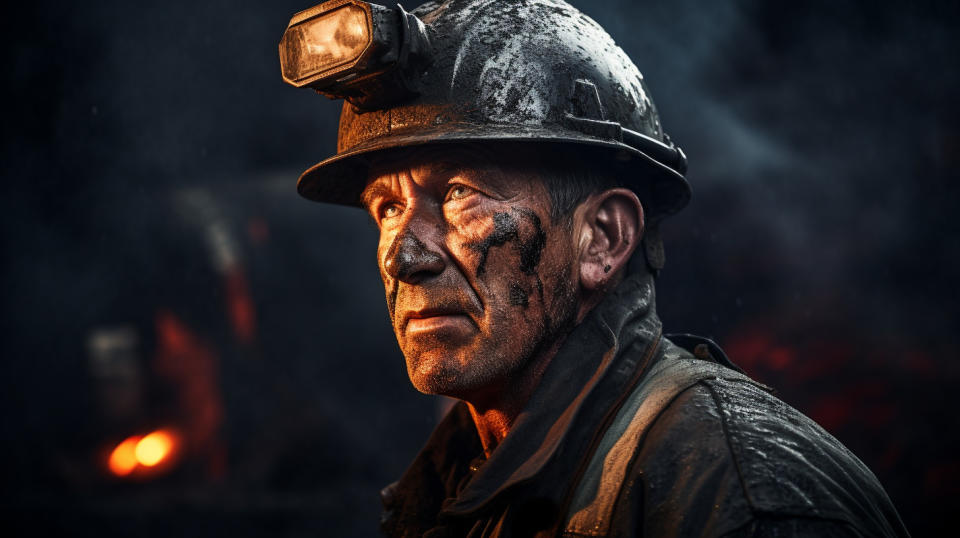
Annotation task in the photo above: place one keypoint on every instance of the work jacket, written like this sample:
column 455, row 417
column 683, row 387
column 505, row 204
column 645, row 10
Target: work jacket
column 629, row 434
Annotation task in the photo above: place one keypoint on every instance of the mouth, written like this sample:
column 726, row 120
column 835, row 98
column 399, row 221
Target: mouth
column 433, row 319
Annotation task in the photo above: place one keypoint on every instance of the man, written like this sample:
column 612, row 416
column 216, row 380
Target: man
column 516, row 169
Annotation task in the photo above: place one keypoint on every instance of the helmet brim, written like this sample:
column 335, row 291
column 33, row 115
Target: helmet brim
column 341, row 179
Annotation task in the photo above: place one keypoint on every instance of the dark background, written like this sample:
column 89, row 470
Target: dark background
column 159, row 269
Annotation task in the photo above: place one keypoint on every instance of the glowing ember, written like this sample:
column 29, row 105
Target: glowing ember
column 123, row 459
column 138, row 453
column 154, row 448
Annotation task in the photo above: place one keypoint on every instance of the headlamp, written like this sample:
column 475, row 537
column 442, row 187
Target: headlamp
column 320, row 46
column 354, row 50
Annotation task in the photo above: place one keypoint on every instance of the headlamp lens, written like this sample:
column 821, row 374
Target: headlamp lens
column 321, row 44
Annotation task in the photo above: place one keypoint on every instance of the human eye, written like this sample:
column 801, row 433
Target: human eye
column 459, row 191
column 389, row 210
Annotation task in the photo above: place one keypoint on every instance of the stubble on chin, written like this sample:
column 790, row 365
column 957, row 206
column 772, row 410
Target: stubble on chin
column 444, row 369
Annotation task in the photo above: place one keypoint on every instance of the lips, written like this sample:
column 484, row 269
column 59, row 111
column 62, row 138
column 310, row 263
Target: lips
column 425, row 317
column 435, row 314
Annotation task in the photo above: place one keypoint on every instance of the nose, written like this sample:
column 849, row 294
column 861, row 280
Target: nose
column 411, row 261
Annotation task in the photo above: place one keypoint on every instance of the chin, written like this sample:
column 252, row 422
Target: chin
column 434, row 386
column 461, row 375
column 443, row 375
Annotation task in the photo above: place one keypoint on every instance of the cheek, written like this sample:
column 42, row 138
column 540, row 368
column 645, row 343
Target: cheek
column 465, row 232
column 389, row 283
column 384, row 246
column 504, row 252
column 519, row 295
column 382, row 249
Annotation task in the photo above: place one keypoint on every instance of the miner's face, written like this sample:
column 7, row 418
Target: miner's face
column 478, row 279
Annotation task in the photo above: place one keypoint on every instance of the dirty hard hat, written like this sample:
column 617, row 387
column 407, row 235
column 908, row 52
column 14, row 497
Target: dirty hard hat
column 478, row 71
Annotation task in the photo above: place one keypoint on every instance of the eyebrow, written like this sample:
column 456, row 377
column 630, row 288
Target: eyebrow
column 374, row 191
column 444, row 168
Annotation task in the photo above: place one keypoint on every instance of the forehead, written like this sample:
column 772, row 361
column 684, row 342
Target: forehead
column 498, row 169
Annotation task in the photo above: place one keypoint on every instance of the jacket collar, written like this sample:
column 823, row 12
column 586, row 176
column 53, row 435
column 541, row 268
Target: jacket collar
column 583, row 382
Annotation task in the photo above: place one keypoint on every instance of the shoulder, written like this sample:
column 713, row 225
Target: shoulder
column 724, row 455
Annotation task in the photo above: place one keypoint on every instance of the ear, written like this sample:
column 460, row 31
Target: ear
column 611, row 229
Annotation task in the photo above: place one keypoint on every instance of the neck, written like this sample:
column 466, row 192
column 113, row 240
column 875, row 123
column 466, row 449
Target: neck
column 494, row 412
column 493, row 425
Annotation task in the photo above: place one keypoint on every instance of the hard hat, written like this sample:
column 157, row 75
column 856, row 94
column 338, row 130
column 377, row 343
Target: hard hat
column 518, row 72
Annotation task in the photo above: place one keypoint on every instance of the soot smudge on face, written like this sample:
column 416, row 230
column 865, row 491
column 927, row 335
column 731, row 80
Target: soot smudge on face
column 506, row 230
column 406, row 250
column 532, row 249
column 518, row 296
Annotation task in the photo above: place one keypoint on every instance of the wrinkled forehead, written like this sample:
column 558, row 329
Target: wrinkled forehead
column 497, row 166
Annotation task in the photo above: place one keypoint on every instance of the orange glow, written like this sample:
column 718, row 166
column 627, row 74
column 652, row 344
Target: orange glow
column 138, row 453
column 240, row 305
column 123, row 459
column 191, row 365
column 154, row 448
